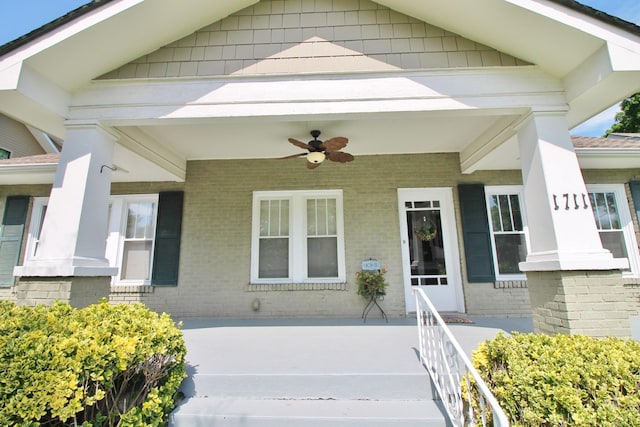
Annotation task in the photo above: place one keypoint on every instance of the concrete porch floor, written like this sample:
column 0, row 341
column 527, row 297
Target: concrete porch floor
column 308, row 372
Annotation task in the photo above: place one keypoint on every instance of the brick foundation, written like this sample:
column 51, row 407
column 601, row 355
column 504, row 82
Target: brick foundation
column 592, row 303
column 77, row 291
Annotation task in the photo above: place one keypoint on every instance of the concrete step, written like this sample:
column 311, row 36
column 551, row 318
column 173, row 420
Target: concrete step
column 211, row 412
column 373, row 386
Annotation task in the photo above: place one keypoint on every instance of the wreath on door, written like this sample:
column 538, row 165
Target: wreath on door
column 427, row 231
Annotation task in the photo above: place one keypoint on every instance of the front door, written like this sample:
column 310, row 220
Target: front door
column 429, row 247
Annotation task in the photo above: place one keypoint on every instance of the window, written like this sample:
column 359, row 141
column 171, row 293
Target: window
column 508, row 231
column 613, row 220
column 297, row 237
column 35, row 225
column 130, row 244
column 4, row 154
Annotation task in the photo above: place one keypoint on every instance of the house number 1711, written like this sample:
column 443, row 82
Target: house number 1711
column 569, row 201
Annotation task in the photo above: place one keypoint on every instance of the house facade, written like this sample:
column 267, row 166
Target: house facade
column 171, row 188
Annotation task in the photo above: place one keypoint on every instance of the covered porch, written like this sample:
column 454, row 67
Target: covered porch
column 316, row 372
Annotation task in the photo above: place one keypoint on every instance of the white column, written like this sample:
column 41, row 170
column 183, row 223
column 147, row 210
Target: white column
column 74, row 231
column 562, row 230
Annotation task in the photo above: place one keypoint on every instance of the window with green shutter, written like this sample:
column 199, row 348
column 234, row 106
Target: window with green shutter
column 476, row 234
column 15, row 214
column 166, row 254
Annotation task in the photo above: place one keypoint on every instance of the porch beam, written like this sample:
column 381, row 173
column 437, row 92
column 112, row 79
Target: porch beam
column 605, row 78
column 182, row 101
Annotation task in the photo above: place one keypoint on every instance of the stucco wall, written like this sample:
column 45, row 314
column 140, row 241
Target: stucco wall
column 294, row 36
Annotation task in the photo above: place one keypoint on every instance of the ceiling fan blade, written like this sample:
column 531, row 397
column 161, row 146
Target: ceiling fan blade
column 300, row 144
column 311, row 165
column 293, row 156
column 335, row 144
column 340, row 156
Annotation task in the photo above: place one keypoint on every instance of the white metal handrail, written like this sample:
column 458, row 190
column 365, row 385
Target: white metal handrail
column 449, row 367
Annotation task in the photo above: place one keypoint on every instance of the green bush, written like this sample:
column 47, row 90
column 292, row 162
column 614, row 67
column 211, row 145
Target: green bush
column 103, row 365
column 564, row 380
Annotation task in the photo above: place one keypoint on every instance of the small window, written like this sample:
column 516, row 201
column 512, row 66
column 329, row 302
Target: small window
column 130, row 244
column 297, row 237
column 508, row 231
column 613, row 220
column 4, row 154
column 35, row 225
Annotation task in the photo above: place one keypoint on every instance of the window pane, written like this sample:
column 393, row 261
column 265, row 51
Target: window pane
column 140, row 220
column 505, row 210
column 495, row 213
column 136, row 260
column 515, row 212
column 511, row 250
column 321, row 217
column 274, row 218
column 613, row 241
column 322, row 257
column 274, row 258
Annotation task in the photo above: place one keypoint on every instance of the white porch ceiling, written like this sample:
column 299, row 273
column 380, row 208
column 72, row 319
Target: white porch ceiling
column 267, row 138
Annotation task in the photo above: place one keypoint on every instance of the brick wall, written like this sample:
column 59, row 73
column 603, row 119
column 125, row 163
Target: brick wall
column 293, row 36
column 215, row 258
column 216, row 241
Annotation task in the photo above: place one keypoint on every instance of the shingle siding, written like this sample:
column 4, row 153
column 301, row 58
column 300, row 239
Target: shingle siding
column 296, row 36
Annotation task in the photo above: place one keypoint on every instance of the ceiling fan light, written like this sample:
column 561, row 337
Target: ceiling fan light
column 315, row 157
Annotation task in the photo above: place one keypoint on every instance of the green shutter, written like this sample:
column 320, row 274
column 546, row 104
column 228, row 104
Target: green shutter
column 15, row 215
column 635, row 194
column 166, row 253
column 476, row 234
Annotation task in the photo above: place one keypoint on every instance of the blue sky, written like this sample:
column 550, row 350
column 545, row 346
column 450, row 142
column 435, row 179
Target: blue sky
column 18, row 17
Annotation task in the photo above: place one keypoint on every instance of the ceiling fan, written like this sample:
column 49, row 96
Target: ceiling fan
column 318, row 150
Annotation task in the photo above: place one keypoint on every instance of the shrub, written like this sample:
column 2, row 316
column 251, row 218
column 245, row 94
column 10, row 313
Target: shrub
column 102, row 365
column 371, row 283
column 565, row 380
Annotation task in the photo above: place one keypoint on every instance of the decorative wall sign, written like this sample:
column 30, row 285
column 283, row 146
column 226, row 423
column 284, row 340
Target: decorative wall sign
column 371, row 264
column 570, row 201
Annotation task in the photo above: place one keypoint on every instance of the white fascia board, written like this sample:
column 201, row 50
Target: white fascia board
column 27, row 174
column 605, row 158
column 586, row 24
column 127, row 102
column 62, row 33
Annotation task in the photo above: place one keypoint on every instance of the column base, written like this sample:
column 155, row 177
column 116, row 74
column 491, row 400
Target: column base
column 79, row 291
column 579, row 302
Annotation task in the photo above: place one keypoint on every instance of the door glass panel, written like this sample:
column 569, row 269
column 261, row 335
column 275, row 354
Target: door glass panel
column 426, row 249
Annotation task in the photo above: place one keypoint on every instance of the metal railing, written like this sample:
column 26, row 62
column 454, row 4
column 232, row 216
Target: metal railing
column 449, row 367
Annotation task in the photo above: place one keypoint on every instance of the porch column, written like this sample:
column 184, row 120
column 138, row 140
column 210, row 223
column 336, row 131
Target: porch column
column 575, row 285
column 70, row 262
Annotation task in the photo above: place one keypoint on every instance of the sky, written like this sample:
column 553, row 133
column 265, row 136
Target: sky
column 18, row 17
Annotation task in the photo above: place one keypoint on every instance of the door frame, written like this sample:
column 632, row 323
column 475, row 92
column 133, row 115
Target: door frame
column 450, row 235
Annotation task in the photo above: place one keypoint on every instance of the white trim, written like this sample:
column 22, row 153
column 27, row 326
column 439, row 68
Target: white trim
column 116, row 233
column 35, row 224
column 624, row 215
column 297, row 235
column 450, row 234
column 495, row 190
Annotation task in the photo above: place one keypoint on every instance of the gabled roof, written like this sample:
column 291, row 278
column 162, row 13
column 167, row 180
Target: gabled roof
column 583, row 61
